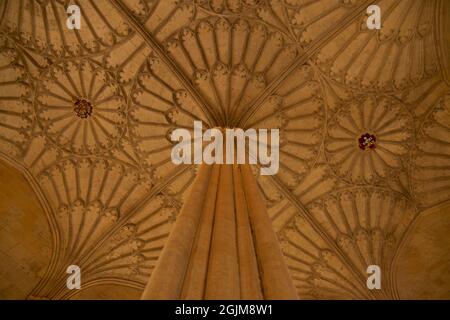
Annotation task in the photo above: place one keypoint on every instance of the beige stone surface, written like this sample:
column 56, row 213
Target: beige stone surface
column 107, row 292
column 424, row 274
column 86, row 115
column 222, row 246
column 25, row 238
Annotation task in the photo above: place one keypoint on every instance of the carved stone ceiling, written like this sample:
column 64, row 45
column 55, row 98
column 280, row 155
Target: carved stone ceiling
column 85, row 116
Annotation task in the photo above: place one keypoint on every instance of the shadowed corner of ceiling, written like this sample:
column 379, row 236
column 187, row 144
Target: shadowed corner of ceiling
column 443, row 25
column 25, row 237
column 422, row 261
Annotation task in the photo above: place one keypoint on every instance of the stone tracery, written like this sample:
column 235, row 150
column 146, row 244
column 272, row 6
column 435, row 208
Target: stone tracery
column 300, row 67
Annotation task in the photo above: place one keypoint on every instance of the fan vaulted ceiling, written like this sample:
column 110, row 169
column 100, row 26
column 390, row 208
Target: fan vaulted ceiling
column 86, row 115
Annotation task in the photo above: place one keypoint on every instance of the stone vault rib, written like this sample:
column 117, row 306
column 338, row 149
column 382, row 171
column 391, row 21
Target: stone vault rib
column 306, row 54
column 305, row 212
column 151, row 41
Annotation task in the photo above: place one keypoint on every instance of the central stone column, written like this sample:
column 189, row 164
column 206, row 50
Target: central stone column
column 222, row 245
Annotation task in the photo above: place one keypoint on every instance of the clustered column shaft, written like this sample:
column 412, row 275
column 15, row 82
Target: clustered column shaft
column 222, row 245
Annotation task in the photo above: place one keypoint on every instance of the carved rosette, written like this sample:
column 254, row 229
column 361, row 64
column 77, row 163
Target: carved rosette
column 81, row 108
column 368, row 138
